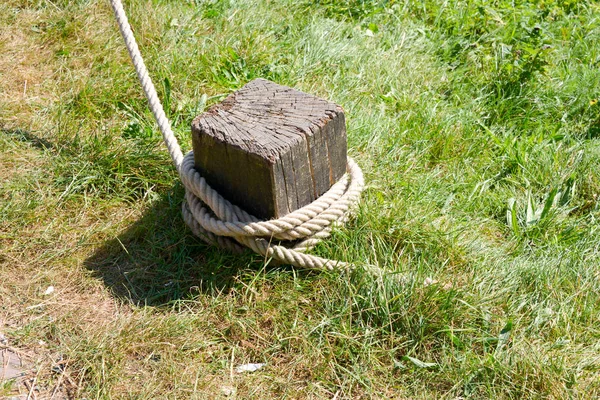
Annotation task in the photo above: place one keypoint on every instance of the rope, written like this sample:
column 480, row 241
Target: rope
column 215, row 220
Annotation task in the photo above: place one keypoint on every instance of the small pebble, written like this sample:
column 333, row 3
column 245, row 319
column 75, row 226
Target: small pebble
column 249, row 367
column 228, row 390
column 429, row 282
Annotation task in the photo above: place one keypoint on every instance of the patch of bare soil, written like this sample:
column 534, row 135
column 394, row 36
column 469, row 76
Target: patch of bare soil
column 21, row 374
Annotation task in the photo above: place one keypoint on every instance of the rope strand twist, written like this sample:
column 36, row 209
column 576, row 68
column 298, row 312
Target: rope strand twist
column 217, row 221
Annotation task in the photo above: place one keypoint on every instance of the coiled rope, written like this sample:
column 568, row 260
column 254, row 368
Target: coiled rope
column 217, row 221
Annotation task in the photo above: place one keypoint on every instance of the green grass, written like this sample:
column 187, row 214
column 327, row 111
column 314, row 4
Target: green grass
column 477, row 125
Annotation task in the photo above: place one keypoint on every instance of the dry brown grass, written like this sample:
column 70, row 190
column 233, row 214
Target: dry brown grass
column 30, row 85
column 26, row 70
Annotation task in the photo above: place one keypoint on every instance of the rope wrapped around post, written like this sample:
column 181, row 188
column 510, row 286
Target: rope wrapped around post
column 215, row 220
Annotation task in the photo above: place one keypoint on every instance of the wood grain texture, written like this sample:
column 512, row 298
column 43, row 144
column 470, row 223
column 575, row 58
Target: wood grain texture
column 269, row 148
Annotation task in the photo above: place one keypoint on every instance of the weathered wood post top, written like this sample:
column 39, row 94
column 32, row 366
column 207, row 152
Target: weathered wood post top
column 270, row 149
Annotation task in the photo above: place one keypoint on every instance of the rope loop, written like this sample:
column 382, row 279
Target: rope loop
column 216, row 220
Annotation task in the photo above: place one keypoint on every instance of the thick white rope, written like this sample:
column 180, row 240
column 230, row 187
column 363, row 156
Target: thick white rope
column 217, row 221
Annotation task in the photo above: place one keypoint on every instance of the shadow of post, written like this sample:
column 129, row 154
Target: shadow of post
column 158, row 260
column 23, row 135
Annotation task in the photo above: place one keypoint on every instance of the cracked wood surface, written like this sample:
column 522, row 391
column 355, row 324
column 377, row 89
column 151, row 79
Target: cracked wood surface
column 270, row 149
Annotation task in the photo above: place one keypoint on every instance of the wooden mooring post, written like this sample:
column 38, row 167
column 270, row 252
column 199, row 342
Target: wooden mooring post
column 270, row 149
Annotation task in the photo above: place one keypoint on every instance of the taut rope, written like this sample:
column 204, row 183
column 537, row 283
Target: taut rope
column 217, row 221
